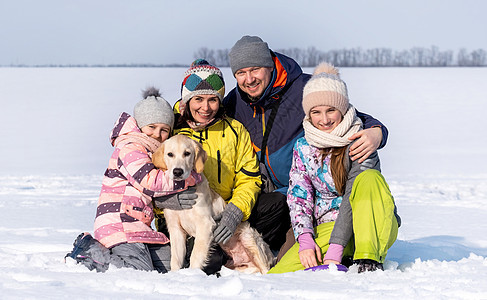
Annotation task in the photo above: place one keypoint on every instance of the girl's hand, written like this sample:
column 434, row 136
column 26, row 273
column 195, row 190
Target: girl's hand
column 310, row 257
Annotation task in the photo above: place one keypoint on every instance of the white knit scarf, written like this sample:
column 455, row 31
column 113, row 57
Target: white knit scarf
column 339, row 136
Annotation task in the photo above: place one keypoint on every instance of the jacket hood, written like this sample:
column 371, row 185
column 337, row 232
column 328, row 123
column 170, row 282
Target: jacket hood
column 286, row 70
column 125, row 124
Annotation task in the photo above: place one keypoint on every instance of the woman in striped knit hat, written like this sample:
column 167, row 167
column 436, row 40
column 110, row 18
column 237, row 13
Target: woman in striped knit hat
column 232, row 168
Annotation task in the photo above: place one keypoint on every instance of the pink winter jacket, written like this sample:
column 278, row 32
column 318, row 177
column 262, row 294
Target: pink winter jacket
column 125, row 212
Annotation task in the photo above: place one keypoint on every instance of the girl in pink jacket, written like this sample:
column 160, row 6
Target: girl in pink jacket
column 122, row 232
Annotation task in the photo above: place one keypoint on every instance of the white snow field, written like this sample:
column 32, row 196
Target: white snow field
column 54, row 149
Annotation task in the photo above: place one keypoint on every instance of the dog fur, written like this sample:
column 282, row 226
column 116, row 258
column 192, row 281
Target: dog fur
column 250, row 254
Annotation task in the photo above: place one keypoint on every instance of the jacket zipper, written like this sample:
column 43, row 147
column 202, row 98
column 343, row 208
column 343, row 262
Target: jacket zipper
column 218, row 158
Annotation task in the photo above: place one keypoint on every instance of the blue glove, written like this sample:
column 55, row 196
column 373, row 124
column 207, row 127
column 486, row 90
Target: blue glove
column 226, row 223
column 183, row 200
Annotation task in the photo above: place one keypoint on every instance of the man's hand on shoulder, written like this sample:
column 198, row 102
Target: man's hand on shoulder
column 367, row 142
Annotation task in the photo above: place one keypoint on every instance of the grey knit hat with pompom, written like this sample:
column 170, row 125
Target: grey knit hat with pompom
column 153, row 109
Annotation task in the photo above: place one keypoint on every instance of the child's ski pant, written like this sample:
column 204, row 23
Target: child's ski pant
column 375, row 225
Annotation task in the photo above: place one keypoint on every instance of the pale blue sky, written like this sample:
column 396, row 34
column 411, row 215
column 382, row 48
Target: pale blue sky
column 163, row 32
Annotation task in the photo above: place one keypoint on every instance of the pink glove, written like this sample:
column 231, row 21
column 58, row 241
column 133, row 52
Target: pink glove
column 306, row 241
column 335, row 252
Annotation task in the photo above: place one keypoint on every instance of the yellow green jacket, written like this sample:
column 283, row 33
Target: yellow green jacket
column 232, row 168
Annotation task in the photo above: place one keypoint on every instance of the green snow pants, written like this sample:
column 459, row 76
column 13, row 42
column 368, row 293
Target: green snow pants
column 375, row 225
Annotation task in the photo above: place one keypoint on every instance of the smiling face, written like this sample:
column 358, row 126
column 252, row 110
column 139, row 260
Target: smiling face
column 159, row 132
column 325, row 118
column 254, row 80
column 203, row 108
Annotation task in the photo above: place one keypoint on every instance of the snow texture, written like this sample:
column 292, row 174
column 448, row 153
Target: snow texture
column 54, row 130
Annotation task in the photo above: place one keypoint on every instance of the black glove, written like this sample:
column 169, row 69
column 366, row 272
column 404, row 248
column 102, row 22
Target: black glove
column 183, row 200
column 227, row 222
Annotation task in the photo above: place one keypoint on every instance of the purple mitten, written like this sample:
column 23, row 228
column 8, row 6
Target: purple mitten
column 335, row 252
column 306, row 242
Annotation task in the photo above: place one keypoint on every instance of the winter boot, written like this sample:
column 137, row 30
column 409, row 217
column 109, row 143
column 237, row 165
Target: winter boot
column 368, row 265
column 90, row 253
column 347, row 261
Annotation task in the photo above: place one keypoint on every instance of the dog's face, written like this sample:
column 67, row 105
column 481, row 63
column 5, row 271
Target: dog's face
column 179, row 155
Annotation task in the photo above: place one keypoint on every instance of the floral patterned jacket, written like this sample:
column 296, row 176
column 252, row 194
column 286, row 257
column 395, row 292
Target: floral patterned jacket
column 312, row 197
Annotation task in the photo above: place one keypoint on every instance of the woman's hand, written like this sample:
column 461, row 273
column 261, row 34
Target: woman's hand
column 310, row 257
column 367, row 142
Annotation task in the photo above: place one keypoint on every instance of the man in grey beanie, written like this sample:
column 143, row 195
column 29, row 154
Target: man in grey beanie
column 252, row 65
column 267, row 101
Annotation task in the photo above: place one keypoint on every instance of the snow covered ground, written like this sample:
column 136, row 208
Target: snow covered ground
column 54, row 131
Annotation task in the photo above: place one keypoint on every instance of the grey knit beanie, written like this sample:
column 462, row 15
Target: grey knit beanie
column 153, row 109
column 250, row 51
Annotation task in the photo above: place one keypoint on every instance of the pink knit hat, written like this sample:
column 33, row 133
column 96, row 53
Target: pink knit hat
column 325, row 88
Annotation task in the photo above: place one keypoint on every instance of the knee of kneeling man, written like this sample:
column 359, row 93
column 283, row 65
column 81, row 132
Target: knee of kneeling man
column 370, row 175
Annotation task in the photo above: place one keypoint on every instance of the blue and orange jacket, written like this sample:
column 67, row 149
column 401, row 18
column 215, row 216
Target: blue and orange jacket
column 286, row 91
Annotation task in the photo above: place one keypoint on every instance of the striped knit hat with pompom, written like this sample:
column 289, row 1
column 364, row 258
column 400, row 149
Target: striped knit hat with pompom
column 202, row 78
column 325, row 88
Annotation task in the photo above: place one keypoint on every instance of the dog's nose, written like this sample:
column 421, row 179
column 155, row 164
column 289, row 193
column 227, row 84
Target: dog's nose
column 177, row 172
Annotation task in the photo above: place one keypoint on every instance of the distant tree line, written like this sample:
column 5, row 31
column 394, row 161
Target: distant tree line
column 357, row 57
column 310, row 57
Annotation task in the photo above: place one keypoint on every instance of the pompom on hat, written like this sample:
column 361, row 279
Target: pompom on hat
column 325, row 88
column 202, row 78
column 250, row 51
column 153, row 109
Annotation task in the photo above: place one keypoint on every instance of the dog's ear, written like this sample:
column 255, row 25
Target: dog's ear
column 158, row 158
column 200, row 157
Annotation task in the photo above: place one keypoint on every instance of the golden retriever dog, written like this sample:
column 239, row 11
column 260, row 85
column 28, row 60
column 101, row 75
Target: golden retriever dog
column 250, row 254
